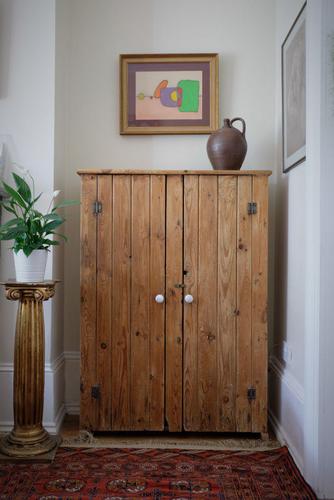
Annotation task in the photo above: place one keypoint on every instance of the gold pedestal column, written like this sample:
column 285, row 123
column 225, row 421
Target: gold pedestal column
column 28, row 437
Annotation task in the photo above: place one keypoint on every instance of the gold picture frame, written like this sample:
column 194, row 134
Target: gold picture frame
column 169, row 94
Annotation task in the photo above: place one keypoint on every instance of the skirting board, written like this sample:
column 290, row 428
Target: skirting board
column 286, row 409
column 72, row 408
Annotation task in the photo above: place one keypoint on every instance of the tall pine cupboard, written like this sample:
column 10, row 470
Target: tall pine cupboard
column 174, row 300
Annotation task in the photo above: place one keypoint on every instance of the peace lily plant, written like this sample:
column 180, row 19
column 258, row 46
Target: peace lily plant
column 32, row 231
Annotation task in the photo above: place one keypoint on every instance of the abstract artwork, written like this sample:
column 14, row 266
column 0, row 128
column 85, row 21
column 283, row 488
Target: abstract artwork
column 294, row 93
column 169, row 94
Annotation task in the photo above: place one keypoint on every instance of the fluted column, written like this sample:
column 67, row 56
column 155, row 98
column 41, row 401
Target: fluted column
column 28, row 437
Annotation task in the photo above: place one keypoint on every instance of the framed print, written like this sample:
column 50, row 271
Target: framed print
column 294, row 93
column 169, row 93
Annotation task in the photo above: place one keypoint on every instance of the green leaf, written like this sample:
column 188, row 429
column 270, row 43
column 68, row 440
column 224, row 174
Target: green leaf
column 29, row 228
column 37, row 197
column 12, row 234
column 36, row 213
column 23, row 188
column 66, row 203
column 51, row 242
column 10, row 223
column 27, row 250
column 51, row 225
column 52, row 217
column 16, row 197
column 10, row 227
column 31, row 204
column 9, row 209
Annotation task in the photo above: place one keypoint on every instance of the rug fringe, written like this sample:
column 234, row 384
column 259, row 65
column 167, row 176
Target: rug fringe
column 86, row 440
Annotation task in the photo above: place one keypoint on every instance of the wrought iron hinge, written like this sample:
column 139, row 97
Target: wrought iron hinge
column 166, row 425
column 251, row 393
column 95, row 392
column 97, row 207
column 252, row 208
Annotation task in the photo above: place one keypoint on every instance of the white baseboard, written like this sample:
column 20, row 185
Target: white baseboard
column 72, row 408
column 286, row 409
column 54, row 427
column 284, row 439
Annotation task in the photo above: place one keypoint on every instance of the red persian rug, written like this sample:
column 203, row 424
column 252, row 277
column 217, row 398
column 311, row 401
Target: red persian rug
column 117, row 474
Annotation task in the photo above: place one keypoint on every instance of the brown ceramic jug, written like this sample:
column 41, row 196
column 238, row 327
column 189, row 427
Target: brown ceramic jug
column 227, row 147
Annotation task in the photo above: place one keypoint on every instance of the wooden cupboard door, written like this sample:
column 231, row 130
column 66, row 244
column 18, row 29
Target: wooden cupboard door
column 225, row 262
column 130, row 323
column 252, row 276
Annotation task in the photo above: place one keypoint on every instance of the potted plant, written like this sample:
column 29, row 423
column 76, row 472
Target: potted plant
column 33, row 232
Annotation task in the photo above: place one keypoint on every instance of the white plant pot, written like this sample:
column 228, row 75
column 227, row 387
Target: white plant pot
column 30, row 269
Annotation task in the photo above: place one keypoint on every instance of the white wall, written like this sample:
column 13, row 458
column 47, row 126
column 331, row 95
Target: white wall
column 26, row 106
column 301, row 389
column 319, row 436
column 27, row 87
column 99, row 32
column 287, row 377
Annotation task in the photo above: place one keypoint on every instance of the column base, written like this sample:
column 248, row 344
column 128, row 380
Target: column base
column 28, row 444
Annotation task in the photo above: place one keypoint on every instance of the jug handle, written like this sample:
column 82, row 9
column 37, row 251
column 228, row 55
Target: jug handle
column 243, row 124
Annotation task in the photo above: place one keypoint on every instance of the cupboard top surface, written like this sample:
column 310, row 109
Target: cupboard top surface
column 172, row 172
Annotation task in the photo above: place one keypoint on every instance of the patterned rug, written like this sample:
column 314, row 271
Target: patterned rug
column 117, row 474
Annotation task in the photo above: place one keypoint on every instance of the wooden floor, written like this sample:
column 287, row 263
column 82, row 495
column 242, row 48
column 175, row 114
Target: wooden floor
column 72, row 436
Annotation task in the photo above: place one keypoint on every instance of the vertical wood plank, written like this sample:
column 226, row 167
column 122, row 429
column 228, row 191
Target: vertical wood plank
column 207, row 302
column 190, row 358
column 121, row 293
column 244, row 306
column 88, row 406
column 259, row 303
column 140, row 298
column 104, row 300
column 157, row 311
column 227, row 273
column 174, row 317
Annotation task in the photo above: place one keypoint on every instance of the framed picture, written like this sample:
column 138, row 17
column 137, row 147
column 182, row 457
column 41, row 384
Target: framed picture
column 294, row 93
column 169, row 93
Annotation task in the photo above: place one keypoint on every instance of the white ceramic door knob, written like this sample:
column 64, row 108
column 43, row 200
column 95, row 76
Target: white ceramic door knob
column 159, row 299
column 188, row 299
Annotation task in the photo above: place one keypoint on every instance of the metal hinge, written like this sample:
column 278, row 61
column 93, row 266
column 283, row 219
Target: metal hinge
column 251, row 393
column 97, row 207
column 252, row 208
column 166, row 425
column 95, row 392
